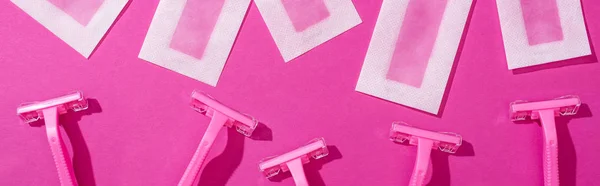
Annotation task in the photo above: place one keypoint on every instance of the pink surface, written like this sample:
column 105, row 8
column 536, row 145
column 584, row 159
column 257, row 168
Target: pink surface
column 81, row 11
column 542, row 21
column 415, row 41
column 195, row 26
column 140, row 129
column 305, row 13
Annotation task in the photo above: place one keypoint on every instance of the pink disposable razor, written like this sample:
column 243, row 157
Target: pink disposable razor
column 294, row 160
column 221, row 115
column 49, row 111
column 425, row 141
column 546, row 111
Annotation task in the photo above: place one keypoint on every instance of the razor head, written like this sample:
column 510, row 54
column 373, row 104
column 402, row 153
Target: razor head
column 205, row 104
column 562, row 106
column 316, row 149
column 31, row 112
column 444, row 141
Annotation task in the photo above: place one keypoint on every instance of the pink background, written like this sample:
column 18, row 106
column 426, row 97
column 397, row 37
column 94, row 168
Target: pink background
column 140, row 130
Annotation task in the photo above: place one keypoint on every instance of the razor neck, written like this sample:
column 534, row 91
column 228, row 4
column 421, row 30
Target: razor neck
column 550, row 148
column 191, row 172
column 66, row 174
column 422, row 163
column 549, row 125
column 296, row 168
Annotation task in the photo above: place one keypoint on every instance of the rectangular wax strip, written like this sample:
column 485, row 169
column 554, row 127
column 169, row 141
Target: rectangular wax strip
column 412, row 51
column 542, row 21
column 194, row 37
column 298, row 26
column 195, row 26
column 79, row 23
column 305, row 13
column 542, row 31
column 81, row 11
column 415, row 42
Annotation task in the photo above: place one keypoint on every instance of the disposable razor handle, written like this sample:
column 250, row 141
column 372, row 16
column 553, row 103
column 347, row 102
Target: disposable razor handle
column 191, row 172
column 61, row 159
column 550, row 148
column 296, row 168
column 422, row 163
